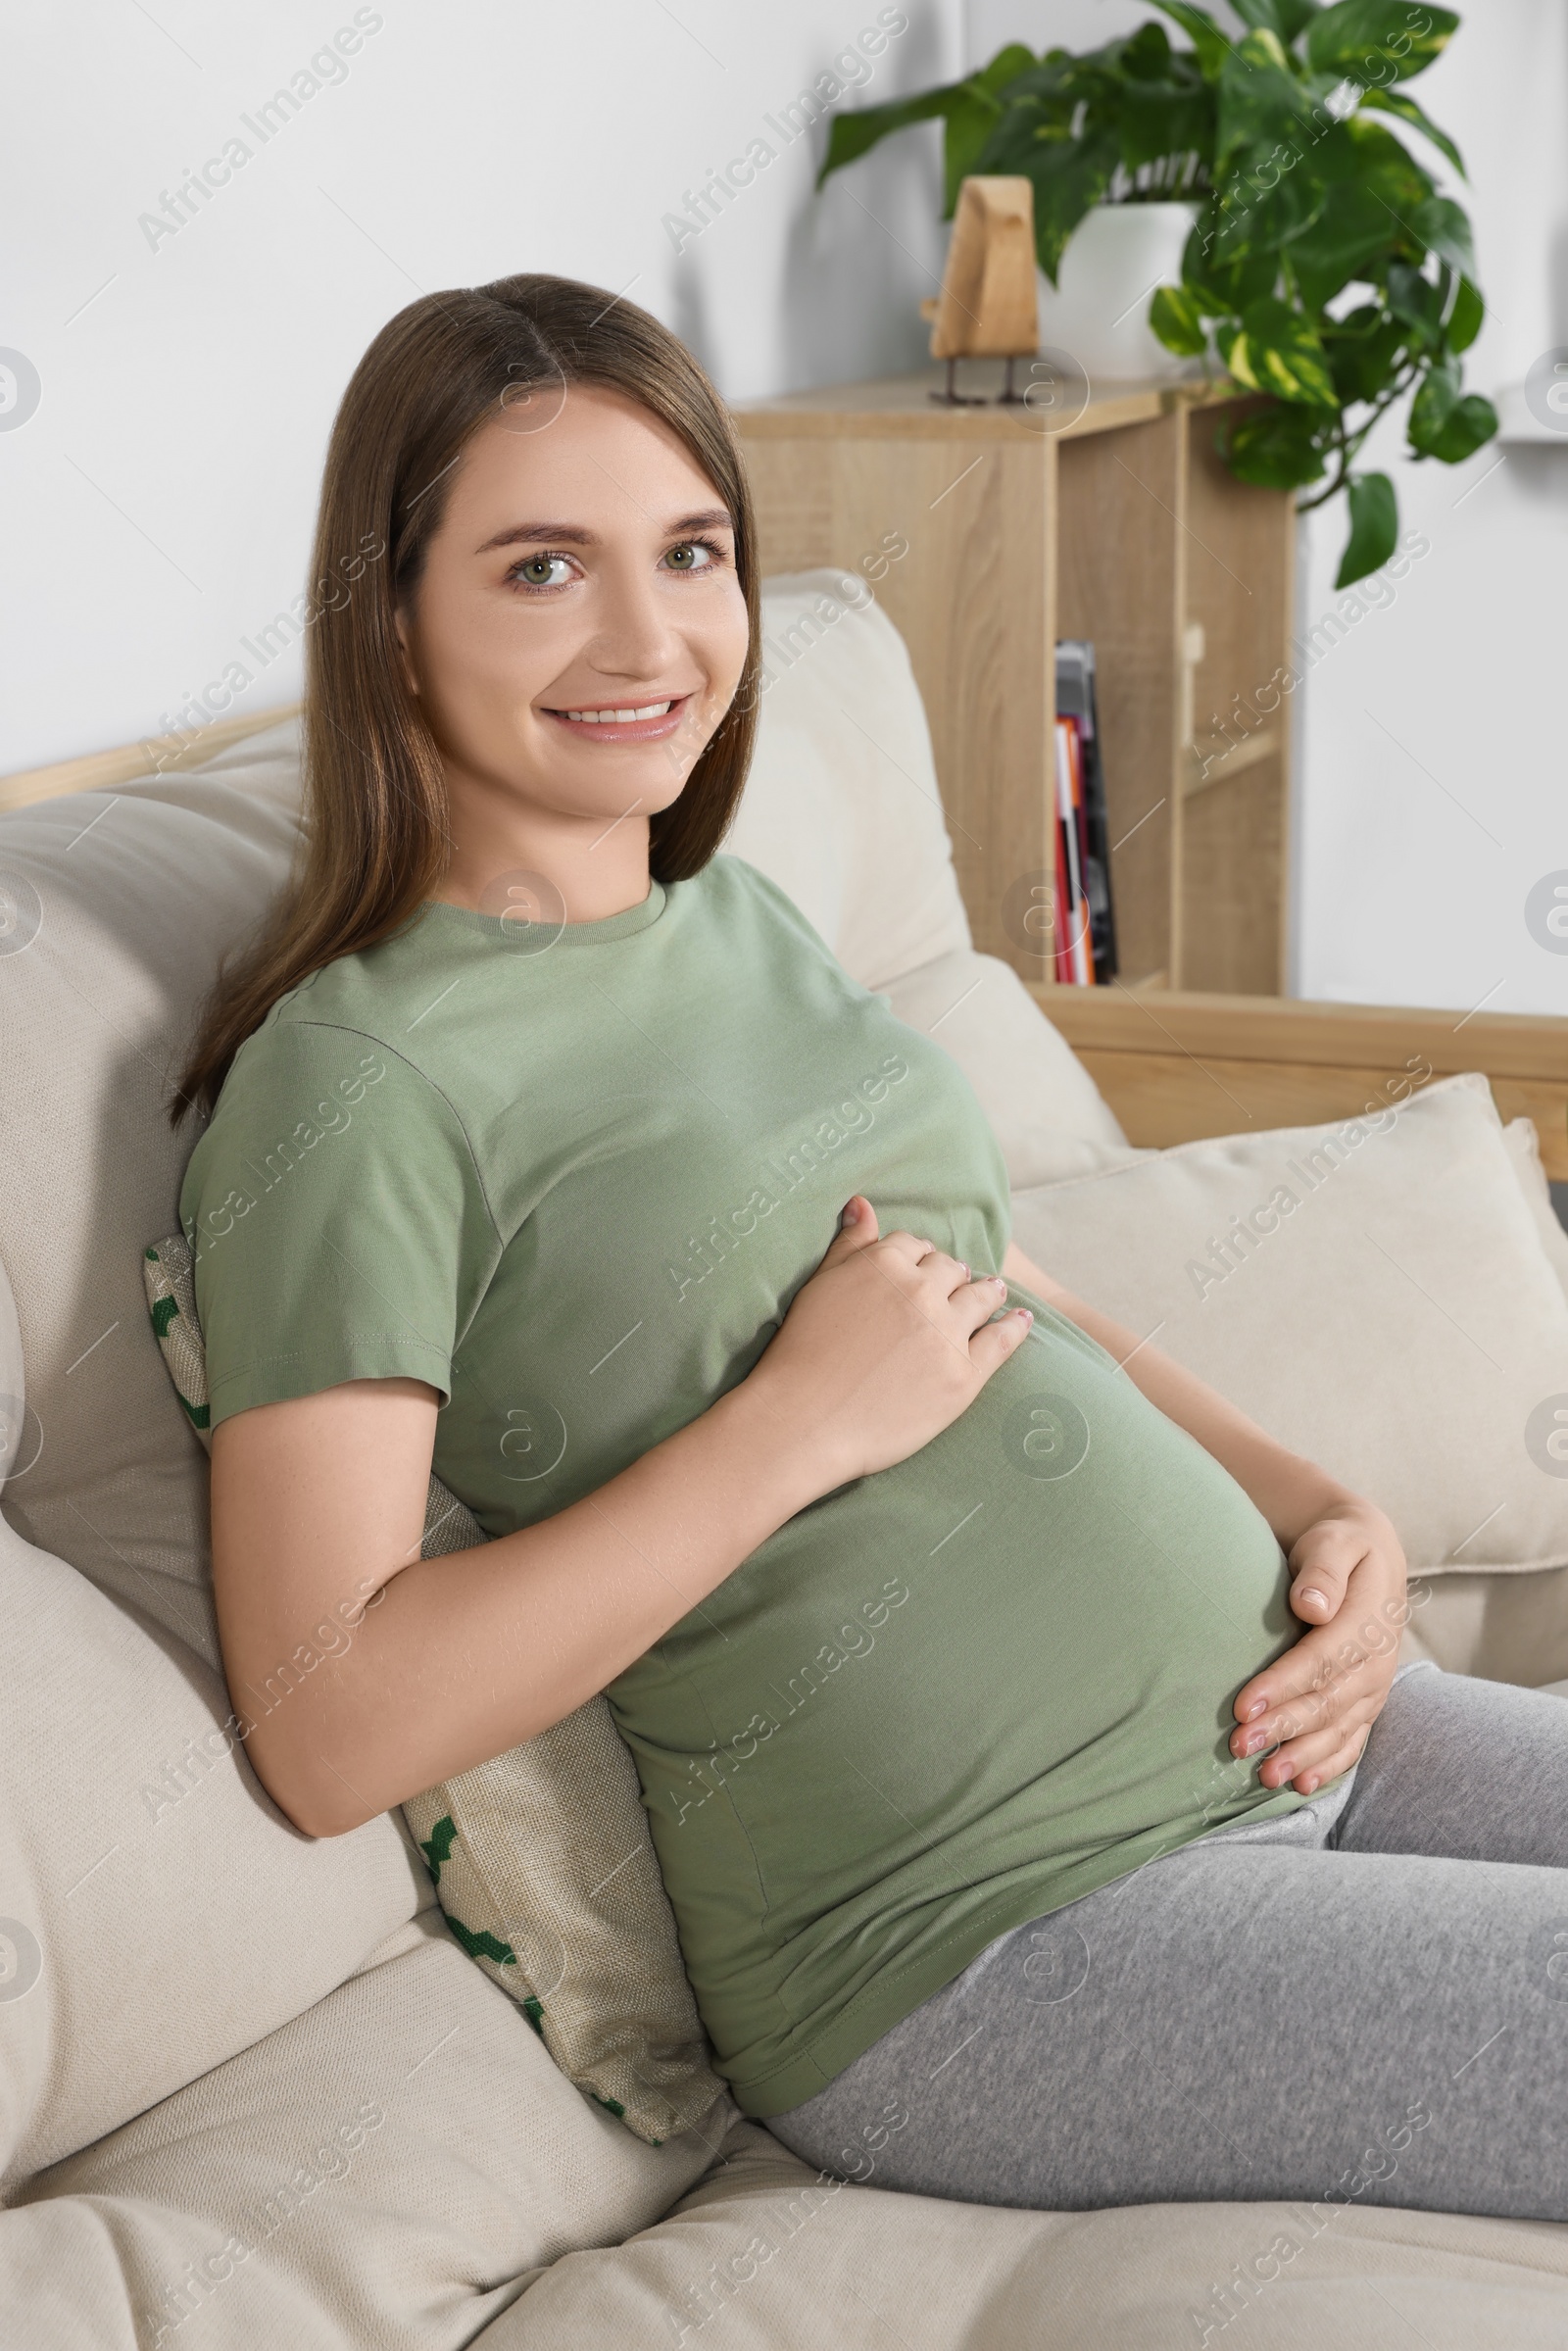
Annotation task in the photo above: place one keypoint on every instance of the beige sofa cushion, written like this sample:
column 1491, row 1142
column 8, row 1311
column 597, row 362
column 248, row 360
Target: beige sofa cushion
column 1504, row 1628
column 14, row 1441
column 1524, row 1148
column 1401, row 1324
column 1044, row 1108
column 762, row 2256
column 842, row 808
column 141, row 891
column 164, row 1914
column 386, row 2172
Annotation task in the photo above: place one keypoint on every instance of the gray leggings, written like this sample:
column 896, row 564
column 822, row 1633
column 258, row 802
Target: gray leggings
column 1366, row 2001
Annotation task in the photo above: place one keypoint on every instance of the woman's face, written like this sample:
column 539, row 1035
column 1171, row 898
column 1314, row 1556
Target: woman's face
column 578, row 631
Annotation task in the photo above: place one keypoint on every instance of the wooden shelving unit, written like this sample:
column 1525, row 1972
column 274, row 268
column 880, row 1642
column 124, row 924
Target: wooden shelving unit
column 1125, row 528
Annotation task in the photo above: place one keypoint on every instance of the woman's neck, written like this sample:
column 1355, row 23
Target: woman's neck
column 583, row 869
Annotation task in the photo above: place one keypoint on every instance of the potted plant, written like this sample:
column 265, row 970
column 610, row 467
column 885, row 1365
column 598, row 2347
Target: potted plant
column 1322, row 268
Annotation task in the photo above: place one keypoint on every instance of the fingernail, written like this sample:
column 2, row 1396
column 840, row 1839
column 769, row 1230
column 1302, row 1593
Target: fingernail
column 1023, row 1314
column 1258, row 1707
column 1253, row 1741
column 1305, row 1787
column 1313, row 1593
column 849, row 1214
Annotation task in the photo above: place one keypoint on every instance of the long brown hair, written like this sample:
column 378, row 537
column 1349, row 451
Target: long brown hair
column 377, row 837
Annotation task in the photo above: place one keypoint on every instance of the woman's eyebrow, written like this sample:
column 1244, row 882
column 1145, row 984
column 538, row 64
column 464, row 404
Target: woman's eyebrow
column 518, row 533
column 713, row 518
column 572, row 535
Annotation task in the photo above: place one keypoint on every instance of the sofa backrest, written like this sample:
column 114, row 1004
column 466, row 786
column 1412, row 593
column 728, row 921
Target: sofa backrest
column 137, row 895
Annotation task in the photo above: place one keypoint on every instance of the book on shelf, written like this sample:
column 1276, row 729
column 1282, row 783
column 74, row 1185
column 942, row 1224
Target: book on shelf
column 1086, row 928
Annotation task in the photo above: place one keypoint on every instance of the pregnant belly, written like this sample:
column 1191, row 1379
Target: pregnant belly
column 1003, row 1667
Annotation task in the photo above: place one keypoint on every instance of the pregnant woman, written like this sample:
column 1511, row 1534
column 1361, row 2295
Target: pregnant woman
column 1018, row 1725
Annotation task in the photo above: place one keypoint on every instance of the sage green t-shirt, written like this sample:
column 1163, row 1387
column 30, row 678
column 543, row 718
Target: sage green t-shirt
column 573, row 1181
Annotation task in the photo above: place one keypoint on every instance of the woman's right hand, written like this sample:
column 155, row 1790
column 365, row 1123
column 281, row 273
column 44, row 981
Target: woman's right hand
column 885, row 1345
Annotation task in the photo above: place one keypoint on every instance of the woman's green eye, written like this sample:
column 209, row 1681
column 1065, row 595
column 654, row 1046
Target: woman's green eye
column 537, row 570
column 686, row 558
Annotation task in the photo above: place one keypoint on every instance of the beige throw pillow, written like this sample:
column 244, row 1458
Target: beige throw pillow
column 1376, row 1294
column 543, row 1861
column 1524, row 1148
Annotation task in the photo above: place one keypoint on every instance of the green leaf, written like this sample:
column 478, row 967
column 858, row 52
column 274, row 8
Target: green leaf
column 1264, row 109
column 1445, row 230
column 1160, row 119
column 1224, row 288
column 1275, row 447
column 1432, row 404
column 1258, row 212
column 1057, row 79
column 1368, row 154
column 971, row 110
column 1069, row 177
column 1365, row 352
column 1145, row 54
column 1351, row 229
column 972, row 120
column 1004, row 69
column 1464, row 319
column 1395, row 102
column 1276, row 350
column 1209, row 44
column 1416, row 299
column 1282, row 16
column 1175, row 317
column 853, row 134
column 1378, row 41
column 1472, row 422
column 1374, row 527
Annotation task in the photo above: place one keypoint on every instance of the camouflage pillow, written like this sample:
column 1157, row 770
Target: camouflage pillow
column 543, row 1862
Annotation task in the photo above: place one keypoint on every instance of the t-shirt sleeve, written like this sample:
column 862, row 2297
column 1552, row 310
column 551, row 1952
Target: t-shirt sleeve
column 338, row 1221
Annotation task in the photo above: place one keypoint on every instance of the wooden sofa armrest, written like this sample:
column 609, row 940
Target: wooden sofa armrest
column 127, row 763
column 1175, row 1066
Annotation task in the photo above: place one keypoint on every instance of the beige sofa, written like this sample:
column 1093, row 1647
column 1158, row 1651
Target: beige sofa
column 252, row 2095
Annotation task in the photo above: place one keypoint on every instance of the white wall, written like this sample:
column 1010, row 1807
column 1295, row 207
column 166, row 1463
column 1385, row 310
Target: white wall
column 157, row 506
column 1432, row 775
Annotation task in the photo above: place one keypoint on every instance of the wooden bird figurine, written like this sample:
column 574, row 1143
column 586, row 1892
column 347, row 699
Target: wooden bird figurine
column 987, row 307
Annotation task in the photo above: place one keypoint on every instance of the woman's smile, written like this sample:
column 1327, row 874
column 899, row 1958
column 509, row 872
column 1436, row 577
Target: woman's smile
column 619, row 722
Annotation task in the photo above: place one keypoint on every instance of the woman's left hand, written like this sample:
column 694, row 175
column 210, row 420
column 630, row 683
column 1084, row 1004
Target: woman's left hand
column 1315, row 1704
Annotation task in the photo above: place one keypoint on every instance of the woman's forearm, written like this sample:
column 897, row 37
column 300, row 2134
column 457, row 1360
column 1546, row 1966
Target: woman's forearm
column 457, row 1659
column 1291, row 1491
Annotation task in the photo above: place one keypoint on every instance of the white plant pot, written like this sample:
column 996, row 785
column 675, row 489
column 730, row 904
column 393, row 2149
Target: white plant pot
column 1099, row 312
